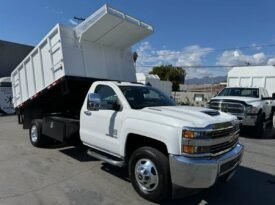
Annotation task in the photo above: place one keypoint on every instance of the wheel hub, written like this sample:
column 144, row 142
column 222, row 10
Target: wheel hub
column 34, row 133
column 146, row 175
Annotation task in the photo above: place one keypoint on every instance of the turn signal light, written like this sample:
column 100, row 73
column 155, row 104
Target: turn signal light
column 188, row 134
column 189, row 149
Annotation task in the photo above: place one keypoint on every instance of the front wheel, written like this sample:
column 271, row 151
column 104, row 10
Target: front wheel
column 149, row 174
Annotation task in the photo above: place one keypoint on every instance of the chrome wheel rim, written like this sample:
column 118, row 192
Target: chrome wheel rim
column 34, row 133
column 146, row 175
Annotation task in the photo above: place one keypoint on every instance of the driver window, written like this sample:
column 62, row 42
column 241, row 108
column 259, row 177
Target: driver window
column 107, row 95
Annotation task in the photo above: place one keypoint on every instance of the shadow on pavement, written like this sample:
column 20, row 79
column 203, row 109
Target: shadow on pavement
column 248, row 186
column 121, row 173
column 268, row 134
column 78, row 153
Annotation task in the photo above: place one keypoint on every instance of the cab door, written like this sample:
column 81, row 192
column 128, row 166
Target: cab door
column 101, row 128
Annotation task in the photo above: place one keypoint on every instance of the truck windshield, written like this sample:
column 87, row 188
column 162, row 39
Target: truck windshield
column 144, row 96
column 242, row 92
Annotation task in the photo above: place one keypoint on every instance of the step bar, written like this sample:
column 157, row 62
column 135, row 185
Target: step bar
column 106, row 158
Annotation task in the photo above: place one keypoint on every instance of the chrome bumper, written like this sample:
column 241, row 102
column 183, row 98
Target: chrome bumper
column 249, row 120
column 202, row 173
column 246, row 119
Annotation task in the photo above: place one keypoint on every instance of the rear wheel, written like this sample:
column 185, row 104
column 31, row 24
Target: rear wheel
column 36, row 137
column 149, row 174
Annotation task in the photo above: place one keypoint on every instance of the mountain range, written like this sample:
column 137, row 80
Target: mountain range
column 205, row 80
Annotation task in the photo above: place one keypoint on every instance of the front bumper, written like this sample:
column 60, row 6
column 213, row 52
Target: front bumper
column 249, row 120
column 203, row 172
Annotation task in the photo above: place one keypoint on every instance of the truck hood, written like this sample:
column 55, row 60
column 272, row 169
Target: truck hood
column 236, row 98
column 187, row 116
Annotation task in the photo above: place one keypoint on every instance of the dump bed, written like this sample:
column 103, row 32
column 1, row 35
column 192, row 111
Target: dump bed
column 98, row 48
column 253, row 76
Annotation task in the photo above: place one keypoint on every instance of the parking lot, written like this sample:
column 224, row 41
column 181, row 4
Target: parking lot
column 66, row 175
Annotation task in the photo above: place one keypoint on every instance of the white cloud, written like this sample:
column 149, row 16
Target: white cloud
column 271, row 61
column 236, row 57
column 73, row 22
column 194, row 55
column 189, row 56
column 256, row 46
column 54, row 10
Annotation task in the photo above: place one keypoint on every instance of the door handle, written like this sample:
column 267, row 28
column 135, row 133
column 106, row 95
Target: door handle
column 88, row 113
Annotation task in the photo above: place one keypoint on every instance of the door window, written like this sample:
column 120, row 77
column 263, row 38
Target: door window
column 108, row 96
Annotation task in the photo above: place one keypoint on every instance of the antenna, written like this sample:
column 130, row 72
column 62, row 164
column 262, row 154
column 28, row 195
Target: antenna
column 79, row 19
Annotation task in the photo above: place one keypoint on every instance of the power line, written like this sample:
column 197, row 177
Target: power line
column 204, row 66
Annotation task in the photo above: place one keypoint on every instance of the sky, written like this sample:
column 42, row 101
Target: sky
column 187, row 33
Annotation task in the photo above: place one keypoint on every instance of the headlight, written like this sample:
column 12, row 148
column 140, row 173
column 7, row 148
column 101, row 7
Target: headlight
column 189, row 149
column 191, row 134
column 252, row 110
column 236, row 123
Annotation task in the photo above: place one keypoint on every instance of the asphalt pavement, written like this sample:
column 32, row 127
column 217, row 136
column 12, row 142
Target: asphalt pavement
column 66, row 175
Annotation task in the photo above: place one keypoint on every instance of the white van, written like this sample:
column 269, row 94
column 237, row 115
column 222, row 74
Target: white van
column 6, row 106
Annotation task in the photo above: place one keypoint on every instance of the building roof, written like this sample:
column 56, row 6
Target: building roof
column 11, row 54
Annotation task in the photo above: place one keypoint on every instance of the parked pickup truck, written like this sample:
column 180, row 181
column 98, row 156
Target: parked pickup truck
column 81, row 83
column 253, row 106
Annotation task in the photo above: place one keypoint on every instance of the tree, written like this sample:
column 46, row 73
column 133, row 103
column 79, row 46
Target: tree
column 174, row 74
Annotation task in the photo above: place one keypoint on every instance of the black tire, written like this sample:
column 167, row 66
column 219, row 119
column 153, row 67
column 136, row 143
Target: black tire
column 41, row 140
column 259, row 127
column 162, row 189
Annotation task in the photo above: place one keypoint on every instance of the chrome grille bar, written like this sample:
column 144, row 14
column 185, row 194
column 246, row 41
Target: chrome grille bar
column 230, row 107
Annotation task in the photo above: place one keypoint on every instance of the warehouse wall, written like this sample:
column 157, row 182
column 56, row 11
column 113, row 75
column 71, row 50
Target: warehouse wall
column 198, row 99
column 11, row 54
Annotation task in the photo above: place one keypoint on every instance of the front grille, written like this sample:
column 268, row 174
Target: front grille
column 229, row 165
column 230, row 107
column 214, row 149
column 222, row 133
column 215, row 139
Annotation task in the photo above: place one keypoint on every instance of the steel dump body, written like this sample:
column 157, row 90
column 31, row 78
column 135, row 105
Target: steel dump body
column 98, row 48
column 253, row 76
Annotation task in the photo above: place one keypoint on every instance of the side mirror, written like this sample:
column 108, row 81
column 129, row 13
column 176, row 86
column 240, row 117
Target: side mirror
column 273, row 96
column 94, row 102
column 117, row 107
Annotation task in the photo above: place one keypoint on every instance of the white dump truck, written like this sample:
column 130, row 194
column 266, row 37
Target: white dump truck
column 249, row 95
column 80, row 83
column 6, row 106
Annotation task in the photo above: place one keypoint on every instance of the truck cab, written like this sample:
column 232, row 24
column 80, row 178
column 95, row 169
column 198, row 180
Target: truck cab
column 140, row 127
